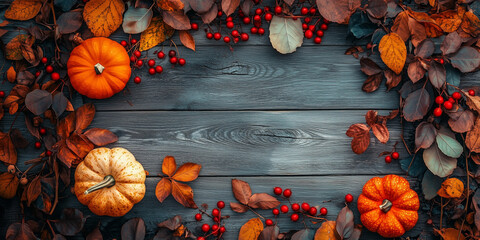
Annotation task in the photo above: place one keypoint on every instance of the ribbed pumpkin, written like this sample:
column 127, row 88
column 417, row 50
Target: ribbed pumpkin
column 388, row 206
column 99, row 67
column 109, row 181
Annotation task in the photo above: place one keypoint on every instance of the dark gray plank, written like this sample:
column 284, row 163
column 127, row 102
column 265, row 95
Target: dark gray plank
column 247, row 143
column 314, row 190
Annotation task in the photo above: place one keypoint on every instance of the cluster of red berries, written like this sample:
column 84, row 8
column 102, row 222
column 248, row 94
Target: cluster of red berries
column 439, row 60
column 216, row 229
column 311, row 29
column 448, row 105
column 49, row 69
column 394, row 155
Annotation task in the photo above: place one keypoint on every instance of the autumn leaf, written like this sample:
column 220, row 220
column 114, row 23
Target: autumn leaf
column 23, row 9
column 472, row 140
column 393, row 52
column 19, row 231
column 136, row 20
column 209, row 16
column 263, row 201
column 450, row 234
column 38, row 101
column 416, row 105
column 183, row 194
column 269, row 233
column 11, row 74
column 155, row 34
column 79, row 145
column 8, row 153
column 449, row 20
column 461, row 120
column 251, row 229
column 170, row 5
column 372, row 83
column 361, row 137
column 33, row 190
column 100, row 137
column 71, row 222
column 338, row 11
column 344, row 223
column 415, row 71
column 229, row 6
column 241, row 190
column 187, row 39
column 12, row 48
column 176, row 19
column 393, row 79
column 327, row 231
column 425, row 135
column 187, row 172
column 169, row 166
column 103, row 17
column 471, row 24
column 237, row 207
column 133, row 229
column 369, row 67
column 65, row 154
column 467, row 59
column 451, row 188
column 84, row 116
column 8, row 185
column 163, row 189
column 380, row 131
column 66, row 125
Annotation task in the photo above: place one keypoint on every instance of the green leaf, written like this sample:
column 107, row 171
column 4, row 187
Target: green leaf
column 449, row 146
column 437, row 162
column 430, row 185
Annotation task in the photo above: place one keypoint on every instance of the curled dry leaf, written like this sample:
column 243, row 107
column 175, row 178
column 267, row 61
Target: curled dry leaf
column 337, row 11
column 23, row 9
column 472, row 140
column 183, row 194
column 156, row 33
column 471, row 24
column 361, row 137
column 12, row 48
column 103, row 17
column 451, row 188
column 133, row 229
column 286, row 34
column 241, row 190
column 251, row 229
column 263, row 201
column 187, row 39
column 372, row 83
column 393, row 52
column 172, row 224
column 369, row 67
column 8, row 185
column 449, row 20
column 393, row 79
column 380, row 131
column 79, row 145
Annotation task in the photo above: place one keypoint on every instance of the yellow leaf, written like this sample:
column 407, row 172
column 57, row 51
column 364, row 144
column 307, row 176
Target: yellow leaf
column 251, row 229
column 326, row 231
column 393, row 52
column 450, row 234
column 11, row 74
column 170, row 5
column 156, row 33
column 23, row 9
column 13, row 50
column 451, row 188
column 103, row 17
column 8, row 185
column 187, row 39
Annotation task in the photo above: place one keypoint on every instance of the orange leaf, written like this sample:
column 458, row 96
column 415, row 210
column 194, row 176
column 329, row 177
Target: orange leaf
column 84, row 116
column 187, row 39
column 11, row 74
column 326, row 231
column 263, row 201
column 23, row 9
column 103, row 17
column 451, row 188
column 471, row 24
column 66, row 126
column 393, row 52
column 229, row 6
column 380, row 131
column 187, row 172
column 251, row 229
column 155, row 34
column 8, row 185
column 34, row 189
column 169, row 166
column 449, row 20
column 450, row 234
column 183, row 194
column 79, row 145
column 100, row 137
column 170, row 5
column 8, row 153
column 400, row 25
column 13, row 50
column 163, row 189
column 241, row 190
column 65, row 154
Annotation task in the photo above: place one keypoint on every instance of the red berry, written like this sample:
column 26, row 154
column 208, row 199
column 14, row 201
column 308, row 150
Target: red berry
column 369, row 45
column 123, row 43
column 215, row 227
column 450, row 99
column 294, row 217
column 151, row 71
column 439, row 100
column 258, row 11
column 133, row 58
column 269, row 222
column 261, row 31
column 395, row 155
column 215, row 212
column 219, row 14
column 198, row 217
column 304, row 26
column 246, row 20
column 441, row 61
column 275, row 211
column 217, row 36
column 319, row 33
column 313, row 11
column 221, row 204
column 235, row 40
column 229, row 19
column 222, row 229
column 137, row 80
column 287, row 193
column 324, row 26
column 268, row 17
column 151, row 62
column 49, row 69
column 388, row 159
column 266, row 9
column 278, row 9
column 205, row 227
column 173, row 60
column 471, row 92
column 38, row 145
column 194, row 26
column 230, row 25
column 235, row 33
column 158, row 69
column 311, row 28
column 37, row 73
column 133, row 41
column 216, row 219
column 200, row 238
column 139, row 63
column 349, row 198
column 312, row 211
column 254, row 30
column 307, row 20
column 277, row 190
column 244, row 36
column 429, row 221
column 42, row 131
column 308, row 34
column 305, row 206
column 209, row 35
column 437, row 112
column 304, row 11
column 45, row 60
column 23, row 181
column 172, row 53
column 226, row 39
column 257, row 18
column 55, row 76
column 317, row 40
column 448, row 105
column 295, row 207
column 284, row 208
column 137, row 53
column 2, row 94
column 323, row 211
column 456, row 95
column 49, row 153
column 182, row 61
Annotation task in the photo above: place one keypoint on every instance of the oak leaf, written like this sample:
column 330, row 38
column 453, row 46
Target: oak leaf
column 103, row 17
column 8, row 185
column 393, row 52
column 361, row 137
column 23, row 9
column 451, row 188
column 187, row 39
column 156, row 33
column 251, row 229
column 170, row 5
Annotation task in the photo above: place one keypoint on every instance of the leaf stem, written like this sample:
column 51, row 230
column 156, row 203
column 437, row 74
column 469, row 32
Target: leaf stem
column 256, row 213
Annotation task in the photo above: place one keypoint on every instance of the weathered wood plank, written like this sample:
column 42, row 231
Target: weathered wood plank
column 314, row 190
column 246, row 143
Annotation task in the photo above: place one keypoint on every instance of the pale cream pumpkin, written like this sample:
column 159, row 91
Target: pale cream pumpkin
column 110, row 181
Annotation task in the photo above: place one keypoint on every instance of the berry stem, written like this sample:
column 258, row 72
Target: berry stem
column 256, row 213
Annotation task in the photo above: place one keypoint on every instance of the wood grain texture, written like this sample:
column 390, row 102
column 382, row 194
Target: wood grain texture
column 314, row 190
column 246, row 143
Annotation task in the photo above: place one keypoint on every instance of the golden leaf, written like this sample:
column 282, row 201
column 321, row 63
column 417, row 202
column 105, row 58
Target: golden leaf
column 451, row 188
column 13, row 50
column 23, row 9
column 8, row 185
column 169, row 166
column 471, row 24
column 11, row 74
column 393, row 52
column 163, row 189
column 326, row 231
column 449, row 21
column 103, row 17
column 156, row 33
column 251, row 229
column 187, row 39
column 187, row 172
column 170, row 5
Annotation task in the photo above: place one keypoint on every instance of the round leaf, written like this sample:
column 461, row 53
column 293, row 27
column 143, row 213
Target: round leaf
column 449, row 146
column 38, row 101
column 136, row 20
column 286, row 34
column 8, row 185
column 416, row 105
column 393, row 52
column 251, row 229
column 451, row 188
column 437, row 162
column 425, row 135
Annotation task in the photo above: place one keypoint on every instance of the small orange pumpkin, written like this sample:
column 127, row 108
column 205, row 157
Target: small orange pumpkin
column 99, row 67
column 388, row 206
column 109, row 181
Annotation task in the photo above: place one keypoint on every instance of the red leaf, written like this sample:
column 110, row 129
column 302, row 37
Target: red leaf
column 241, row 191
column 8, row 185
column 65, row 154
column 380, row 131
column 237, row 207
column 34, row 189
column 371, row 117
column 183, row 194
column 100, row 137
column 66, row 126
column 263, row 201
column 84, row 116
column 361, row 137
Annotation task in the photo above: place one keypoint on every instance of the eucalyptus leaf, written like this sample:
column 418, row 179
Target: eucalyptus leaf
column 136, row 20
column 437, row 162
column 286, row 34
column 449, row 146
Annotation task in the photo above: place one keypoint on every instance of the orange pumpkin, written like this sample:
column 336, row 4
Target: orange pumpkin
column 388, row 206
column 109, row 181
column 99, row 67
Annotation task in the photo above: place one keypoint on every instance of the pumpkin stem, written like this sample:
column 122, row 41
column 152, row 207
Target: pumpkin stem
column 386, row 205
column 108, row 181
column 99, row 68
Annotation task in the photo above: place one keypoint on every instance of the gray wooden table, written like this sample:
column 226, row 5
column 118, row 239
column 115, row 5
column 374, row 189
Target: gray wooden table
column 248, row 113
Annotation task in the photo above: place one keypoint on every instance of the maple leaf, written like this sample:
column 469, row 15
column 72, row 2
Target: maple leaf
column 170, row 183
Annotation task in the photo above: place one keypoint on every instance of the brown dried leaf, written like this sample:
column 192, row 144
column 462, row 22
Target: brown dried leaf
column 377, row 8
column 17, row 138
column 155, row 34
column 34, row 189
column 183, row 194
column 451, row 43
column 176, row 19
column 369, row 67
column 337, row 11
column 187, row 39
column 247, row 5
column 241, row 190
column 8, row 185
column 229, row 6
column 66, row 126
column 251, row 229
column 400, row 26
column 79, row 145
column 169, row 166
column 425, row 135
column 65, row 154
column 472, row 140
column 371, row 117
column 449, row 20
column 450, row 234
column 461, row 121
column 133, row 229
column 84, row 116
column 380, row 131
column 103, row 17
column 269, row 233
column 11, row 74
column 237, row 207
column 172, row 224
column 361, row 137
column 163, row 189
column 8, row 153
column 209, row 16
column 372, row 83
column 471, row 24
column 393, row 79
column 13, row 50
column 100, row 137
column 20, row 231
column 23, row 9
column 187, row 172
column 263, row 201
column 170, row 5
